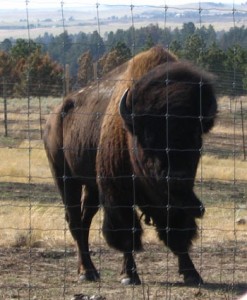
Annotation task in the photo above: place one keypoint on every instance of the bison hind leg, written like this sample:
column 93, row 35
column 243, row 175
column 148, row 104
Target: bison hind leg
column 89, row 207
column 80, row 208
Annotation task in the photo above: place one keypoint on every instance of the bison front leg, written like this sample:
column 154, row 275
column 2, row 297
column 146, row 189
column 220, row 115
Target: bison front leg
column 129, row 272
column 177, row 232
column 187, row 269
column 122, row 231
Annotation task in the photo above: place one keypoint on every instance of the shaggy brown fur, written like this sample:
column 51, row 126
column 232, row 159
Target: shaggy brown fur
column 122, row 162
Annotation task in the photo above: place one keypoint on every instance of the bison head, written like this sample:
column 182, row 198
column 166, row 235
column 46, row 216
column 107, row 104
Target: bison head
column 166, row 113
column 171, row 90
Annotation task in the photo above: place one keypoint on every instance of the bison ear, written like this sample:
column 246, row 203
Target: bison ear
column 124, row 112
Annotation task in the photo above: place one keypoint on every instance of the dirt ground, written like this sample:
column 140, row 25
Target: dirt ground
column 45, row 272
column 51, row 274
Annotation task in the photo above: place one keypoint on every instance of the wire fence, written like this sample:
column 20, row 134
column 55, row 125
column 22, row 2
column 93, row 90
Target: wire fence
column 38, row 256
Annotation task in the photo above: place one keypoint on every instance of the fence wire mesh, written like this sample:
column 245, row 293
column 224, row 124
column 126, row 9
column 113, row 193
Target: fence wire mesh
column 38, row 256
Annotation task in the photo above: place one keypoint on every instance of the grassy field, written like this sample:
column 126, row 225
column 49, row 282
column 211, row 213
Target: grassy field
column 37, row 255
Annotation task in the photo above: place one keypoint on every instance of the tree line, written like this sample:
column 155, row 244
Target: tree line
column 36, row 67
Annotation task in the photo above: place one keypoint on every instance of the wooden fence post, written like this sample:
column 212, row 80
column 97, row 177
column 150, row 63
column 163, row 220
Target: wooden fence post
column 5, row 109
column 243, row 131
column 67, row 79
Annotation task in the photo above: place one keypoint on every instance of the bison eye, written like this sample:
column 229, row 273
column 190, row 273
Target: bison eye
column 149, row 138
column 153, row 134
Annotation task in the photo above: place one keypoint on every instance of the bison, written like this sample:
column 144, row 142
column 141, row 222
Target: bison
column 130, row 143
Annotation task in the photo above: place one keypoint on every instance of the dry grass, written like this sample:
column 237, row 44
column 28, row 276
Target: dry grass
column 222, row 129
column 34, row 225
column 219, row 224
column 28, row 163
column 215, row 168
column 40, row 225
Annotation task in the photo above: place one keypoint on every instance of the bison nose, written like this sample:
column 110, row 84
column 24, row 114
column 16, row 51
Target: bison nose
column 202, row 210
column 196, row 211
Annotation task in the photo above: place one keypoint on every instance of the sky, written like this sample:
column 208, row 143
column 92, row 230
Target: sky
column 21, row 4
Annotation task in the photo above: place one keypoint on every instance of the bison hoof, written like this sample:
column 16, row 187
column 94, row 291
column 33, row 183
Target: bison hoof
column 131, row 281
column 89, row 276
column 193, row 280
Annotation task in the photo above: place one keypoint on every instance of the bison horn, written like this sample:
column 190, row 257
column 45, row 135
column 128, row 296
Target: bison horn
column 125, row 113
